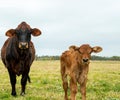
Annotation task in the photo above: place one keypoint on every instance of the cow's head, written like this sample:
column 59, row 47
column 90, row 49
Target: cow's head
column 85, row 52
column 23, row 33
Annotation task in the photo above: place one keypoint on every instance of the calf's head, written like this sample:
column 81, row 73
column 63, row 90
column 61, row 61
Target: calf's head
column 85, row 52
column 23, row 34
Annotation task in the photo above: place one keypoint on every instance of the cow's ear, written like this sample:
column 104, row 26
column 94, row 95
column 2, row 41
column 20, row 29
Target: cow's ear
column 97, row 49
column 73, row 47
column 10, row 33
column 36, row 32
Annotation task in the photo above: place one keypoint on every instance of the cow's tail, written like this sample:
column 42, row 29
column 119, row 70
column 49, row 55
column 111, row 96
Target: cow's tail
column 28, row 78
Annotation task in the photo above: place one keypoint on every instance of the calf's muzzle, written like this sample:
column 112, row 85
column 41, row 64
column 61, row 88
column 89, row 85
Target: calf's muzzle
column 85, row 60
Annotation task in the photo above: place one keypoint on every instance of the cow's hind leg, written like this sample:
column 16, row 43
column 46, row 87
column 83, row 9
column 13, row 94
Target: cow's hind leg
column 13, row 81
column 23, row 83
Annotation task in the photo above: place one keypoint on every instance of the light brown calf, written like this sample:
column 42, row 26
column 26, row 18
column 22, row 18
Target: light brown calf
column 75, row 63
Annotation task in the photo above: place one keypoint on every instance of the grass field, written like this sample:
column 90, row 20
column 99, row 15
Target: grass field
column 103, row 82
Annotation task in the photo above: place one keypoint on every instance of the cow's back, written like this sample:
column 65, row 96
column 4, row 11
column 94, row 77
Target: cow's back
column 3, row 50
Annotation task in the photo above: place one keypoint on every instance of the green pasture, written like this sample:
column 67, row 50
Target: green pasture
column 103, row 82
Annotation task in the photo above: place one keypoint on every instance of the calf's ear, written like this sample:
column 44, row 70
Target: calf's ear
column 73, row 47
column 97, row 49
column 10, row 33
column 36, row 32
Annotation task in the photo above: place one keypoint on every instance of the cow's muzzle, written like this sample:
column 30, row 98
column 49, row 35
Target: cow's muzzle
column 23, row 45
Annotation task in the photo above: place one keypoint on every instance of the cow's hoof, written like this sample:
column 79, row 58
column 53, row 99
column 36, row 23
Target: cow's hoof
column 22, row 93
column 13, row 94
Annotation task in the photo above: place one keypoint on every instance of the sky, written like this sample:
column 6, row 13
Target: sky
column 64, row 23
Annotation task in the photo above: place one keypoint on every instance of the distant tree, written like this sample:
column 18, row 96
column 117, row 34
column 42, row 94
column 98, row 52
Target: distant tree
column 114, row 58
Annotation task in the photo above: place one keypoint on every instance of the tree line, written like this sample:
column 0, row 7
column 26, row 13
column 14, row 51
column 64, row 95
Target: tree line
column 93, row 57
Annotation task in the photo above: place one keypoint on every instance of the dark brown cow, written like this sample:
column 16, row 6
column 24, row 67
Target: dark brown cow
column 75, row 63
column 18, row 54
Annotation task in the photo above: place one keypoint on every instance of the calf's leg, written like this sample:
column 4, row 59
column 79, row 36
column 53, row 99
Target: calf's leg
column 83, row 90
column 65, row 82
column 73, row 88
column 65, row 86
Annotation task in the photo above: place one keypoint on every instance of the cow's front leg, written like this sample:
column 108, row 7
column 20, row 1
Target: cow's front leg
column 12, row 76
column 23, row 83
